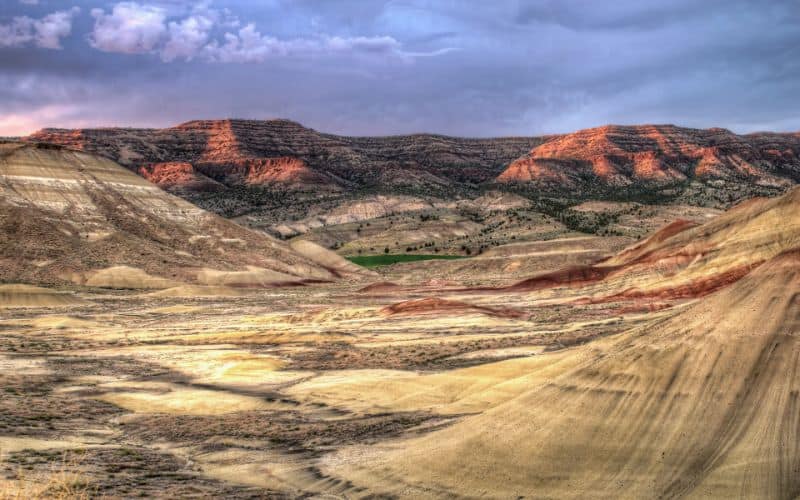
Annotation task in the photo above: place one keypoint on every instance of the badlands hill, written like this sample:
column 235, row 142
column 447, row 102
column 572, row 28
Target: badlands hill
column 240, row 159
column 686, row 260
column 435, row 194
column 651, row 160
column 653, row 157
column 667, row 370
column 701, row 405
column 71, row 217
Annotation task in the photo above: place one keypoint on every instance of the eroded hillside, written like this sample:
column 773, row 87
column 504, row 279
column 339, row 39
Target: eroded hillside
column 706, row 166
column 71, row 217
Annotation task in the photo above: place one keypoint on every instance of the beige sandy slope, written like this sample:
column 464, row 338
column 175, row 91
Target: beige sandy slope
column 464, row 390
column 199, row 291
column 15, row 295
column 67, row 216
column 126, row 277
column 702, row 405
column 155, row 397
column 354, row 211
column 327, row 259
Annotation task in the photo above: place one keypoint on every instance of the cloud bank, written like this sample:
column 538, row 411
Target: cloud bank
column 133, row 28
column 45, row 33
column 472, row 67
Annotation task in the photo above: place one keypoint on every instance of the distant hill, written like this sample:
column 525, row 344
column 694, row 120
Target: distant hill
column 241, row 160
column 276, row 169
column 657, row 158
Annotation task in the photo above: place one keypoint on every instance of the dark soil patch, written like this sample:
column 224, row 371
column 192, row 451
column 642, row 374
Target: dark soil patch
column 127, row 472
column 290, row 430
column 431, row 356
column 29, row 407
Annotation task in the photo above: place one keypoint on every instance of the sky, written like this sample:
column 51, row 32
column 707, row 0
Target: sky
column 379, row 67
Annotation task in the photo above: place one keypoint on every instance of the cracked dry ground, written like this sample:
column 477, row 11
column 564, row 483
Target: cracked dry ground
column 249, row 397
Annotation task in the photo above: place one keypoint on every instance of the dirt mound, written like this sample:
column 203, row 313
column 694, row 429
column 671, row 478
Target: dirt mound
column 380, row 287
column 199, row 291
column 699, row 405
column 689, row 290
column 33, row 296
column 335, row 263
column 498, row 201
column 652, row 242
column 252, row 277
column 363, row 209
column 434, row 305
column 125, row 277
column 572, row 277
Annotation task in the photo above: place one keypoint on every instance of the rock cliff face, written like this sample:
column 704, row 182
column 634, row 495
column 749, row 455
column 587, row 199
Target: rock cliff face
column 236, row 152
column 658, row 156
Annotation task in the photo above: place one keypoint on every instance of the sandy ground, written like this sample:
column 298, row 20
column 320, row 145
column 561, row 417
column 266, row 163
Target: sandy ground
column 427, row 387
column 246, row 393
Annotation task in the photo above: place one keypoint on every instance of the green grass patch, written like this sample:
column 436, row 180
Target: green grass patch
column 389, row 259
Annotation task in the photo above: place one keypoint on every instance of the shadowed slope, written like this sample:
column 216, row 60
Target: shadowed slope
column 704, row 404
column 445, row 307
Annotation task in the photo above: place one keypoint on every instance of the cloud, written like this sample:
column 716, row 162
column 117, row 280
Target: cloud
column 250, row 46
column 130, row 28
column 187, row 37
column 133, row 28
column 53, row 27
column 375, row 45
column 45, row 33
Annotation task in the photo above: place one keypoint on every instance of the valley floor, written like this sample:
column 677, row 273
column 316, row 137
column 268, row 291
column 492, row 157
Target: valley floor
column 664, row 369
column 266, row 393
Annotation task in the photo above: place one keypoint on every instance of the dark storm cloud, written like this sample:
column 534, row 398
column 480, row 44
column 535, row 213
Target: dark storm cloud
column 369, row 67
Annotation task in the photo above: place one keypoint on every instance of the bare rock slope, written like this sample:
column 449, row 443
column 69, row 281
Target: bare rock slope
column 282, row 153
column 700, row 402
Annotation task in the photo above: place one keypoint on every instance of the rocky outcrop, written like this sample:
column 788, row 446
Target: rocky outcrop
column 654, row 156
column 177, row 175
column 237, row 167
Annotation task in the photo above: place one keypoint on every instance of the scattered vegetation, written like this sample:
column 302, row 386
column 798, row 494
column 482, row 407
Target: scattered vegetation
column 389, row 259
